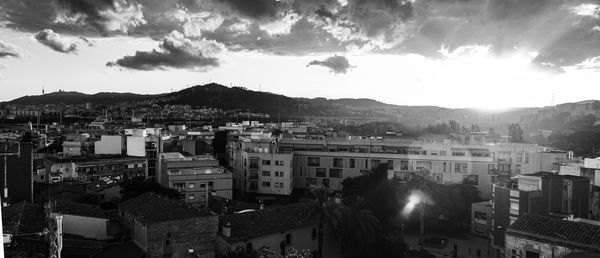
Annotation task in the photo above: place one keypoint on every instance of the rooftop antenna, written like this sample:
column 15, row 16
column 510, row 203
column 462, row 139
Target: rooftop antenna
column 43, row 90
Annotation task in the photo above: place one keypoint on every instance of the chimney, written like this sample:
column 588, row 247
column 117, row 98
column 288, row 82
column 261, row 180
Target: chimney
column 227, row 230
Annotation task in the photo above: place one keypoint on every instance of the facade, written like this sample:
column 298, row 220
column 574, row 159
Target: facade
column 259, row 168
column 195, row 177
column 77, row 145
column 169, row 228
column 481, row 217
column 83, row 220
column 92, row 167
column 328, row 161
column 110, row 144
column 277, row 228
column 541, row 193
column 533, row 236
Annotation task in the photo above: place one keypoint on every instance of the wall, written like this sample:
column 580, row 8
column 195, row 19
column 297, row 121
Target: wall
column 110, row 144
column 301, row 239
column 272, row 167
column 88, row 227
column 546, row 250
column 136, row 146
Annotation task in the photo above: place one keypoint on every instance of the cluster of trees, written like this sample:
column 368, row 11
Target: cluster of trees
column 515, row 133
column 579, row 136
column 368, row 220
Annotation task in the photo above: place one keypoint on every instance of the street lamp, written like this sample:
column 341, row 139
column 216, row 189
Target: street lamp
column 415, row 199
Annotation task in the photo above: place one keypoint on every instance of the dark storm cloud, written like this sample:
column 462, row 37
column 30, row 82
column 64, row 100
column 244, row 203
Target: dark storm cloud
column 54, row 41
column 8, row 50
column 561, row 36
column 337, row 64
column 175, row 51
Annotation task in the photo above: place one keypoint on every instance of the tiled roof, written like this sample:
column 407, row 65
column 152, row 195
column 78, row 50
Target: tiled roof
column 263, row 222
column 151, row 207
column 78, row 209
column 23, row 218
column 568, row 232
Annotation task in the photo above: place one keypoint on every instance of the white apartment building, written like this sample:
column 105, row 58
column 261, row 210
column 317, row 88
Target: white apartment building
column 195, row 177
column 327, row 161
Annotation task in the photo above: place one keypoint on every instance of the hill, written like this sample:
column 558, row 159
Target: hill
column 74, row 98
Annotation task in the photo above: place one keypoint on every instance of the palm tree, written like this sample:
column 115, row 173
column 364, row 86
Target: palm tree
column 358, row 228
column 321, row 195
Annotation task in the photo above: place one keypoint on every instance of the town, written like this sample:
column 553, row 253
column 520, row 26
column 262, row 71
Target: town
column 119, row 186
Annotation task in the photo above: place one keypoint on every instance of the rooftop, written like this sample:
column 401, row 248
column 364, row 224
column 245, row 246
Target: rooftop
column 23, row 218
column 150, row 207
column 251, row 224
column 78, row 209
column 577, row 234
column 92, row 157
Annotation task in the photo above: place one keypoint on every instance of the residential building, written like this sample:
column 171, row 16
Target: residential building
column 169, row 228
column 533, row 236
column 277, row 228
column 195, row 177
column 258, row 166
column 481, row 217
column 77, row 145
column 327, row 161
column 541, row 193
column 92, row 167
column 144, row 143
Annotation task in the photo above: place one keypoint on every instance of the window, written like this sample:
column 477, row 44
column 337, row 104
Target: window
column 191, row 197
column 266, row 184
column 266, row 162
column 202, row 186
column 321, row 172
column 492, row 169
column 444, row 171
column 335, row 172
column 518, row 169
column 404, row 165
column 314, row 234
column 460, row 167
column 266, row 173
column 179, row 186
column 311, row 181
column 527, row 158
column 278, row 185
column 254, row 163
column 279, row 163
column 191, row 185
column 288, row 239
column 365, row 172
column 338, row 162
column 352, row 163
column 519, row 157
column 458, row 153
column 326, row 182
column 279, row 173
column 375, row 163
column 442, row 153
column 314, row 161
column 211, row 184
column 167, row 242
column 390, row 164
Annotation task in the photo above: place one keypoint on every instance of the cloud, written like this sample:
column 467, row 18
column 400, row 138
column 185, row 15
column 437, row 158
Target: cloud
column 8, row 50
column 175, row 51
column 104, row 15
column 54, row 41
column 337, row 64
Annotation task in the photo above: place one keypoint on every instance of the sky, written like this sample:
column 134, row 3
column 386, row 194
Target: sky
column 488, row 54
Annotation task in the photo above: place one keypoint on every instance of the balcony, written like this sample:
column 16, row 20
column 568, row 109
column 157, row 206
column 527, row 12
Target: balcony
column 253, row 176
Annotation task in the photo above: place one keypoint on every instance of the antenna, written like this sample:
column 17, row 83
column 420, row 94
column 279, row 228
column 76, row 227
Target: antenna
column 43, row 90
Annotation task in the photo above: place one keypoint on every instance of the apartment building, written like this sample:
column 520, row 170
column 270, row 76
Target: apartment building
column 93, row 167
column 195, row 177
column 328, row 161
column 258, row 167
column 541, row 193
column 77, row 145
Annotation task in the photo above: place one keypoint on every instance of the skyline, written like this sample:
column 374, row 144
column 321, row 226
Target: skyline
column 456, row 54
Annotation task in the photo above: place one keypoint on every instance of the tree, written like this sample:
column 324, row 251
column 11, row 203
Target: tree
column 321, row 194
column 358, row 228
column 515, row 132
